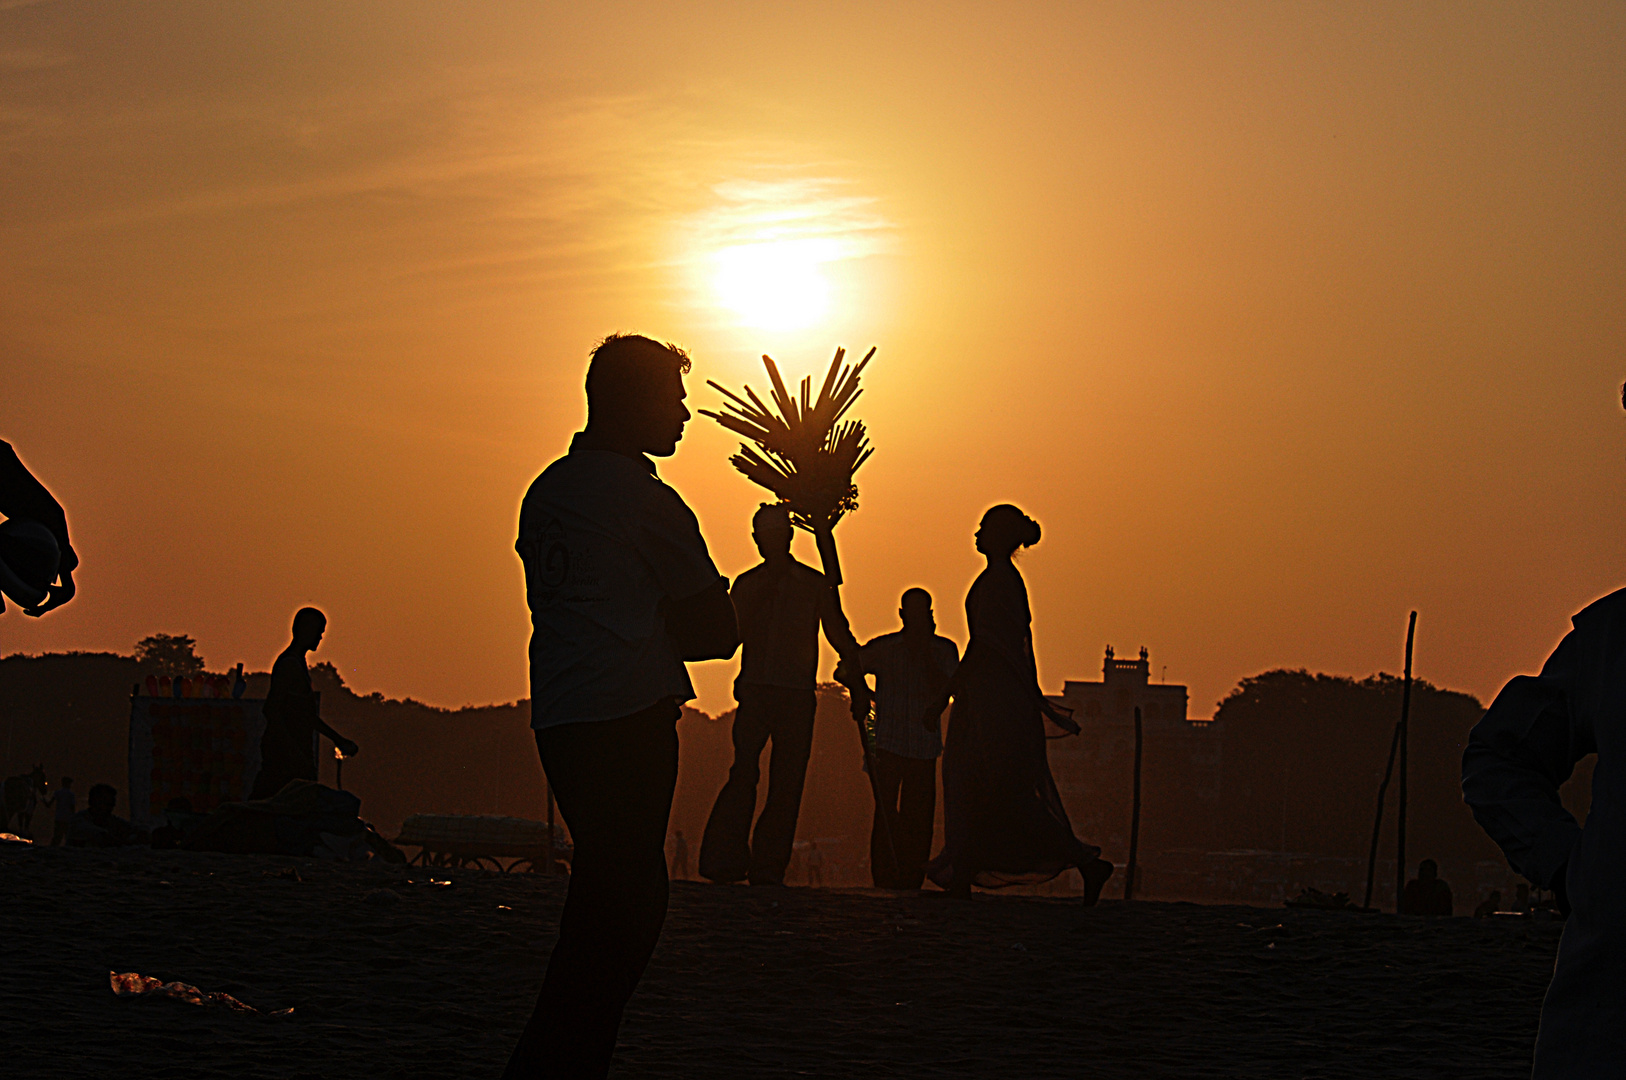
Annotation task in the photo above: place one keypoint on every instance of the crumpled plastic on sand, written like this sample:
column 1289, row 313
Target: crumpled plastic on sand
column 130, row 984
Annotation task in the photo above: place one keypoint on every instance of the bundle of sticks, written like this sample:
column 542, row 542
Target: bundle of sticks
column 804, row 452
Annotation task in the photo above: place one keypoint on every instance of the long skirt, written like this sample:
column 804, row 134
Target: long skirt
column 1003, row 820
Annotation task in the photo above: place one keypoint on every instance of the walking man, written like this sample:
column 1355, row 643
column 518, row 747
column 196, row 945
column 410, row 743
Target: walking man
column 622, row 592
column 292, row 719
column 781, row 603
column 912, row 668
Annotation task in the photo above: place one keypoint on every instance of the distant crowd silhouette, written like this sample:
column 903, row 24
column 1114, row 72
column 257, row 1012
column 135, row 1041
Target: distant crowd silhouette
column 623, row 594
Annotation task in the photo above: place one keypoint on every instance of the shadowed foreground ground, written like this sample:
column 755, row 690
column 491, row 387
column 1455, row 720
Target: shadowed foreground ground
column 746, row 983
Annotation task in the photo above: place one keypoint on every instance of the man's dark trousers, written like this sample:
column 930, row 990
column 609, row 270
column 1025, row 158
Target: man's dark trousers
column 908, row 788
column 613, row 780
column 764, row 713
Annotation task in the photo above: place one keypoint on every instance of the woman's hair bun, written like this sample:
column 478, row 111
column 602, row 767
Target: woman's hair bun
column 1030, row 531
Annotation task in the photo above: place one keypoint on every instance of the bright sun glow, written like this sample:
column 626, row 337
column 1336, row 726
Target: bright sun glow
column 779, row 285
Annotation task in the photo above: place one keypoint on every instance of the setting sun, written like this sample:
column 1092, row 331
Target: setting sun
column 776, row 286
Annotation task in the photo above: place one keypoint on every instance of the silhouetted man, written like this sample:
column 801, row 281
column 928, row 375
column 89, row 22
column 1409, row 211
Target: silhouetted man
column 292, row 720
column 36, row 560
column 781, row 603
column 912, row 667
column 1426, row 894
column 98, row 826
column 1518, row 757
column 622, row 592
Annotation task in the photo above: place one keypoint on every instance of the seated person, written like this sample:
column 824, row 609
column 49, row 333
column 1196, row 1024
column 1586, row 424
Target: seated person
column 98, row 826
column 1492, row 904
column 1426, row 894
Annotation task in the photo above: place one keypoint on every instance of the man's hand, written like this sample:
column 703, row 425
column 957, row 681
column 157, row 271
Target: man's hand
column 55, row 596
column 932, row 718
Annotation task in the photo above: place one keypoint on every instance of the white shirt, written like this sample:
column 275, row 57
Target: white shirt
column 604, row 541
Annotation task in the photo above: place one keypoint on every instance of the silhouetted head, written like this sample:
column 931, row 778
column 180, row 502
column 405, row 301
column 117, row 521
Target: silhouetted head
column 1428, row 870
column 770, row 528
column 102, row 795
column 915, row 610
column 635, row 393
column 1004, row 529
column 309, row 625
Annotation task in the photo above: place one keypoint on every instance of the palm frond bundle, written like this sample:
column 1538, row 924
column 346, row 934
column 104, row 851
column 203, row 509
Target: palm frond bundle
column 804, row 452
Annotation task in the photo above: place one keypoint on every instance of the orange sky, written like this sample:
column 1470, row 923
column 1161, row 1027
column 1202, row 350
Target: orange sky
column 1282, row 319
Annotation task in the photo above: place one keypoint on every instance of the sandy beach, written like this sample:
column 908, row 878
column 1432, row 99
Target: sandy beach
column 437, row 979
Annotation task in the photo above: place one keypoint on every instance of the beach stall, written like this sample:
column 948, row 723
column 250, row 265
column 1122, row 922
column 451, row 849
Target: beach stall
column 204, row 749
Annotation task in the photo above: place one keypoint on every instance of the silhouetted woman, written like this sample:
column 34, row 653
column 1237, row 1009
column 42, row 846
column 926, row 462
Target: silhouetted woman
column 1003, row 819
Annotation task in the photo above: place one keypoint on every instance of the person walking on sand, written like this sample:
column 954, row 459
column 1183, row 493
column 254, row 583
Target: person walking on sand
column 622, row 592
column 64, row 804
column 1518, row 757
column 292, row 719
column 912, row 668
column 781, row 603
column 1003, row 820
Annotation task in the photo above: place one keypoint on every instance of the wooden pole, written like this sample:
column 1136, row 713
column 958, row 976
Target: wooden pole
column 1134, row 816
column 1405, row 719
column 1377, row 822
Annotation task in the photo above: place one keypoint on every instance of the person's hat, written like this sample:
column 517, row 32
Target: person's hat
column 28, row 561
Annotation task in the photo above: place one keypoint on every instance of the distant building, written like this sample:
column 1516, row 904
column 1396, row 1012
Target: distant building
column 1125, row 684
column 1180, row 762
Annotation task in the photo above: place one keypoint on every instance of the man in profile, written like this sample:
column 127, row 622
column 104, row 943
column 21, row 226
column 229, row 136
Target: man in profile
column 912, row 668
column 1518, row 757
column 36, row 559
column 292, row 718
column 780, row 603
column 622, row 592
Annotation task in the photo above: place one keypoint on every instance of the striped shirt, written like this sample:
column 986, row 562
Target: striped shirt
column 907, row 681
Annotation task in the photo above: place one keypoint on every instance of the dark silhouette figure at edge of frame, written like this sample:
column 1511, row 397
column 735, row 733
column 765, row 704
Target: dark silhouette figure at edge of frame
column 36, row 559
column 1427, row 893
column 780, row 604
column 23, row 794
column 622, row 592
column 1518, row 757
column 1003, row 820
column 912, row 669
column 292, row 721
